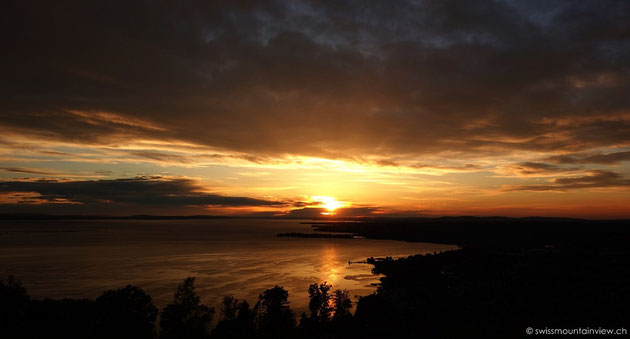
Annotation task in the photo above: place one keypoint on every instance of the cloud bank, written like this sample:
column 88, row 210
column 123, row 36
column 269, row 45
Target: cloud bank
column 342, row 79
column 120, row 195
column 416, row 104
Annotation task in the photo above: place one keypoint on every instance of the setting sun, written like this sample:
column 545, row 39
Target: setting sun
column 329, row 203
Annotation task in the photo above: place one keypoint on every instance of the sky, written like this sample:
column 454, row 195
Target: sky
column 298, row 108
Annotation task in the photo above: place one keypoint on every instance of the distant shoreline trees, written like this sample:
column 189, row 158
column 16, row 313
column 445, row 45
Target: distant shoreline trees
column 128, row 312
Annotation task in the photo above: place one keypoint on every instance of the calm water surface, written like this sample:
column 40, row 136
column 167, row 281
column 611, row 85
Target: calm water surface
column 81, row 259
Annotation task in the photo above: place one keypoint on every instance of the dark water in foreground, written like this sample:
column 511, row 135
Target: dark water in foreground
column 81, row 259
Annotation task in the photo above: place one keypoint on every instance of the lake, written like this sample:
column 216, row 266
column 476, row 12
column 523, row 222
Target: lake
column 239, row 257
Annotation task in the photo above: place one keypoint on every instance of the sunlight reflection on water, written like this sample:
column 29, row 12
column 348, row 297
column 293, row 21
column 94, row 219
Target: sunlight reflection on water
column 82, row 259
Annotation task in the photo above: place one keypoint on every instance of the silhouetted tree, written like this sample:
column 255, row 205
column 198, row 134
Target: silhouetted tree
column 13, row 306
column 65, row 318
column 305, row 321
column 237, row 320
column 127, row 312
column 230, row 308
column 245, row 314
column 370, row 310
column 186, row 317
column 343, row 304
column 319, row 303
column 275, row 315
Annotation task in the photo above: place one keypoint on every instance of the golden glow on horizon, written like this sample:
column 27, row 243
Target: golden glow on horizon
column 434, row 185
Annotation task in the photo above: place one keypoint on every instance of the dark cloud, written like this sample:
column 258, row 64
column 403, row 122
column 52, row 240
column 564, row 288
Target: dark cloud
column 301, row 204
column 462, row 168
column 387, row 162
column 594, row 179
column 25, row 170
column 110, row 195
column 172, row 158
column 597, row 158
column 326, row 79
column 345, row 212
column 536, row 168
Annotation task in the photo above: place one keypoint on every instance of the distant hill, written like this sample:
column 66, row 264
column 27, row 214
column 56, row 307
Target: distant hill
column 490, row 231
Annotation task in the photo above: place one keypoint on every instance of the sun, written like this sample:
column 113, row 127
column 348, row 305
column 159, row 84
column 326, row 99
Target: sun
column 329, row 203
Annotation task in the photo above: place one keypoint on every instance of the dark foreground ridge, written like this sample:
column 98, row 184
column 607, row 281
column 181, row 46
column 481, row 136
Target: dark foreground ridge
column 490, row 231
column 510, row 274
